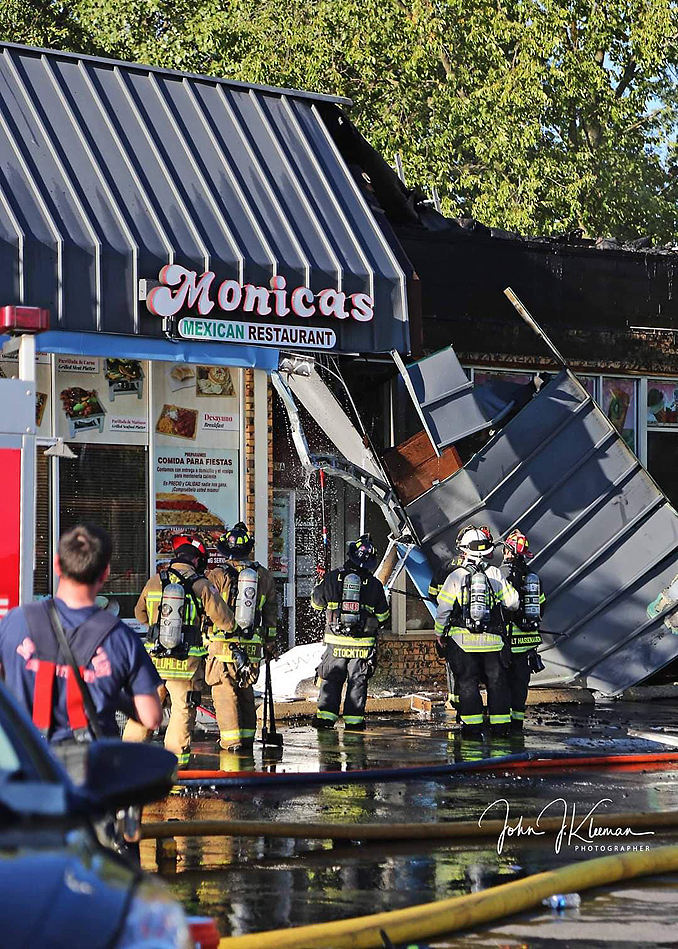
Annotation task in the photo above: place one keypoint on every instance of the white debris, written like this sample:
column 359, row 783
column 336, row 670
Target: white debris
column 293, row 673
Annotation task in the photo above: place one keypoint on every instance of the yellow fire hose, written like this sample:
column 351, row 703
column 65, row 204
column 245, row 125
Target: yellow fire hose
column 461, row 912
column 417, row 831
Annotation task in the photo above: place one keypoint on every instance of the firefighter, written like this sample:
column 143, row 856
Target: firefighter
column 234, row 657
column 434, row 588
column 525, row 636
column 470, row 624
column 117, row 673
column 356, row 608
column 175, row 604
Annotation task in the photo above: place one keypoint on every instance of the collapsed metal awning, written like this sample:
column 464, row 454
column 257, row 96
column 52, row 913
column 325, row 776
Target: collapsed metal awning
column 606, row 537
column 109, row 171
column 451, row 407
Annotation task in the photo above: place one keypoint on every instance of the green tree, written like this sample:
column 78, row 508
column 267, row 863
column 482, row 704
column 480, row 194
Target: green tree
column 533, row 115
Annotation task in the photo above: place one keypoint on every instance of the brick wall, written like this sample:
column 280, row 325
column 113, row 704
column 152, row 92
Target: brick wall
column 410, row 660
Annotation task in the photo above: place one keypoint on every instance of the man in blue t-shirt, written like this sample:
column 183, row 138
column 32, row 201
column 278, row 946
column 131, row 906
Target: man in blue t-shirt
column 118, row 672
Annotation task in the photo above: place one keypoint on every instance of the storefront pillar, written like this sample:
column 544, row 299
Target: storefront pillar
column 261, row 466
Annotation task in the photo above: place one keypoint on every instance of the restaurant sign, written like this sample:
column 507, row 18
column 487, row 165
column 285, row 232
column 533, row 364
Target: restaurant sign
column 181, row 289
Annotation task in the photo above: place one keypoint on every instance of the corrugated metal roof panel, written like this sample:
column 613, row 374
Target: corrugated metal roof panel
column 606, row 538
column 452, row 406
column 109, row 171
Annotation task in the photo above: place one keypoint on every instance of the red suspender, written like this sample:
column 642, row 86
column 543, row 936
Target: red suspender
column 42, row 695
column 74, row 705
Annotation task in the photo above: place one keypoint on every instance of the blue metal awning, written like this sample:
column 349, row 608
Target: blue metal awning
column 109, row 171
column 140, row 347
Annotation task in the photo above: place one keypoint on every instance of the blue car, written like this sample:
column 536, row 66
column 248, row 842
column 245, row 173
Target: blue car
column 61, row 888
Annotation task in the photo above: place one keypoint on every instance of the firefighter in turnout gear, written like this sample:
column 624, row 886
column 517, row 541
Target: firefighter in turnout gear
column 525, row 636
column 471, row 625
column 434, row 588
column 356, row 608
column 234, row 656
column 175, row 604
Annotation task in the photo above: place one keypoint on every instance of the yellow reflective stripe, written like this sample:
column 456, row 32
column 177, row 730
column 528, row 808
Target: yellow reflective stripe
column 230, row 735
column 315, row 606
column 229, row 638
column 353, row 719
column 472, row 719
column 334, row 639
column 332, row 604
column 500, row 719
column 382, row 617
column 439, row 629
column 446, row 598
column 517, row 716
column 329, row 716
column 370, row 609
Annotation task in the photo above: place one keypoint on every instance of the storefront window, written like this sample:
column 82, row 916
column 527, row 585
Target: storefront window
column 662, row 402
column 589, row 383
column 619, row 404
column 108, row 485
column 662, row 462
column 42, row 575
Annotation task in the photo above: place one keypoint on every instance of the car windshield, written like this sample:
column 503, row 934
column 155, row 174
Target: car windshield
column 9, row 760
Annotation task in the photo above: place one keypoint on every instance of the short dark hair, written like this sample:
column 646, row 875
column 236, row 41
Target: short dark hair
column 85, row 552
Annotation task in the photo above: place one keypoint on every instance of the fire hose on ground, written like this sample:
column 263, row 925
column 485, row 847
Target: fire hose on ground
column 526, row 760
column 452, row 830
column 462, row 912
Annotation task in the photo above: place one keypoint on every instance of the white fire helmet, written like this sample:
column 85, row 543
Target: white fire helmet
column 475, row 543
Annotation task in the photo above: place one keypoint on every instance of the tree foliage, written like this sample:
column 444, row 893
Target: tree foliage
column 533, row 115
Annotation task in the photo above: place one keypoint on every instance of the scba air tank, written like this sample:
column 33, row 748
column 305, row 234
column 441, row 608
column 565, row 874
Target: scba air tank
column 350, row 599
column 246, row 598
column 531, row 596
column 171, row 621
column 478, row 608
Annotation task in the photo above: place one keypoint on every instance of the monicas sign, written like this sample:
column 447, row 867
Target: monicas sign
column 182, row 289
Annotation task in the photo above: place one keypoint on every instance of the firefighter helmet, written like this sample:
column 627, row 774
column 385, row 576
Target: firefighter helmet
column 516, row 545
column 236, row 543
column 475, row 543
column 191, row 547
column 363, row 553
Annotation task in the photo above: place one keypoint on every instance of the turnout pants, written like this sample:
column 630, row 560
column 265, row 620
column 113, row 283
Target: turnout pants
column 234, row 707
column 469, row 669
column 520, row 683
column 182, row 717
column 333, row 672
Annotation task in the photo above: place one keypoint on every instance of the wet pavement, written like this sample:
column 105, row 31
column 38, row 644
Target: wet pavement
column 250, row 885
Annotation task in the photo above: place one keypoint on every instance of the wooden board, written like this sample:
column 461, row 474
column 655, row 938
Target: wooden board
column 414, row 467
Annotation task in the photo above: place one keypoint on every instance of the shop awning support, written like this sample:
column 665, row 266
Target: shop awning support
column 338, row 467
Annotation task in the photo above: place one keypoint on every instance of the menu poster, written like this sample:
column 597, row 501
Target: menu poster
column 9, row 369
column 279, row 559
column 102, row 400
column 195, row 406
column 619, row 404
column 662, row 401
column 196, row 493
